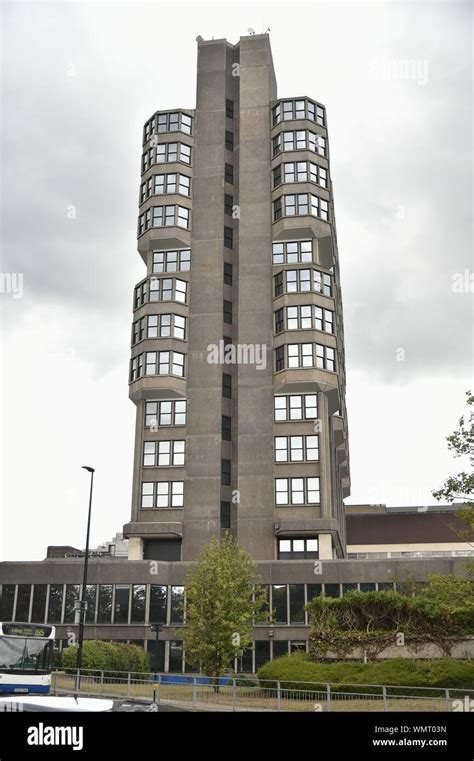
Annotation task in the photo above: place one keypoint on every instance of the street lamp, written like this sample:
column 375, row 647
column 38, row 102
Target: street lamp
column 82, row 608
column 157, row 628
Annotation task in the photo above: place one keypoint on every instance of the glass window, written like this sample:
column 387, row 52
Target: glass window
column 122, row 595
column 72, row 594
column 138, row 603
column 348, row 587
column 262, row 653
column 225, row 515
column 91, row 597
column 158, row 597
column 105, row 604
column 279, row 604
column 177, row 605
column 332, row 590
column 39, row 603
column 176, row 657
column 55, row 603
column 314, row 590
column 297, row 604
column 280, row 647
column 23, row 603
column 227, row 385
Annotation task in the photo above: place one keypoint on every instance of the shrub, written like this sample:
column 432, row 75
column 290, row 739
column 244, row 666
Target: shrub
column 371, row 620
column 98, row 656
column 441, row 673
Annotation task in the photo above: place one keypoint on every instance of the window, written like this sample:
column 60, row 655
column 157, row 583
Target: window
column 301, row 204
column 297, row 491
column 72, row 594
column 55, row 603
column 164, row 216
column 299, row 141
column 157, row 363
column 296, row 448
column 297, row 603
column 162, row 494
column 171, row 261
column 228, row 237
column 165, row 289
column 166, row 153
column 229, row 140
column 298, row 109
column 229, row 174
column 226, row 428
column 298, row 549
column 227, row 385
column 91, row 598
column 314, row 590
column 280, row 358
column 228, row 312
column 300, row 171
column 304, row 318
column 39, row 604
column 225, row 472
column 138, row 604
column 122, row 603
column 333, row 590
column 279, row 604
column 227, row 273
column 289, row 408
column 301, row 281
column 158, row 597
column 162, row 184
column 225, row 515
column 165, row 325
column 173, row 122
column 303, row 355
column 176, row 657
column 229, row 109
column 228, row 204
column 162, row 549
column 159, row 454
column 165, row 413
column 104, row 615
column 177, row 606
column 23, row 602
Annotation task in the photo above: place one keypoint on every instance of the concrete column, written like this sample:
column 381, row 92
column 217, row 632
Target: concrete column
column 325, row 546
column 135, row 548
column 325, row 458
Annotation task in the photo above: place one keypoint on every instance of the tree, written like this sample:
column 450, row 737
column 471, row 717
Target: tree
column 222, row 605
column 461, row 486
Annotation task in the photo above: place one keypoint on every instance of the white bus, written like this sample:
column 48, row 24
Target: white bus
column 25, row 657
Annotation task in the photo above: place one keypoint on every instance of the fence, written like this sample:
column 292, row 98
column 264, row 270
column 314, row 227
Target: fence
column 242, row 694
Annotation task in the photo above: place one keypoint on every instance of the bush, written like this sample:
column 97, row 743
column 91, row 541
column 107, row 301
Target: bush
column 371, row 620
column 404, row 672
column 100, row 656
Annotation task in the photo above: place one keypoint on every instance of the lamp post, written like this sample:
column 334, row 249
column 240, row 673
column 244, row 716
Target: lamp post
column 157, row 628
column 82, row 608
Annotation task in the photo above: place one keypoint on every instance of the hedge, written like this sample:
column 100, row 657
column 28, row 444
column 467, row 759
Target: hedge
column 107, row 656
column 405, row 672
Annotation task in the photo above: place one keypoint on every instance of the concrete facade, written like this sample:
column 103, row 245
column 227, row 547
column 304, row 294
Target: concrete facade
column 238, row 178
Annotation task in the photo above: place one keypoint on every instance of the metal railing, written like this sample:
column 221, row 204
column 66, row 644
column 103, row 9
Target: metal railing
column 240, row 693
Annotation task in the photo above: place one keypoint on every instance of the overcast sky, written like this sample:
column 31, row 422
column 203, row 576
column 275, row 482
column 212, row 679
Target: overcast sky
column 78, row 82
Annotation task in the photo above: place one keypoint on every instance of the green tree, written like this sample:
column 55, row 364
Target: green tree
column 222, row 604
column 461, row 486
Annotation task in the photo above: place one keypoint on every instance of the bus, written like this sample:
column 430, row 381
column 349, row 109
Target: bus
column 25, row 657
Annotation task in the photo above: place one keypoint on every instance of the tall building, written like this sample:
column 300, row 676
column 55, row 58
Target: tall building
column 237, row 367
column 237, row 232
